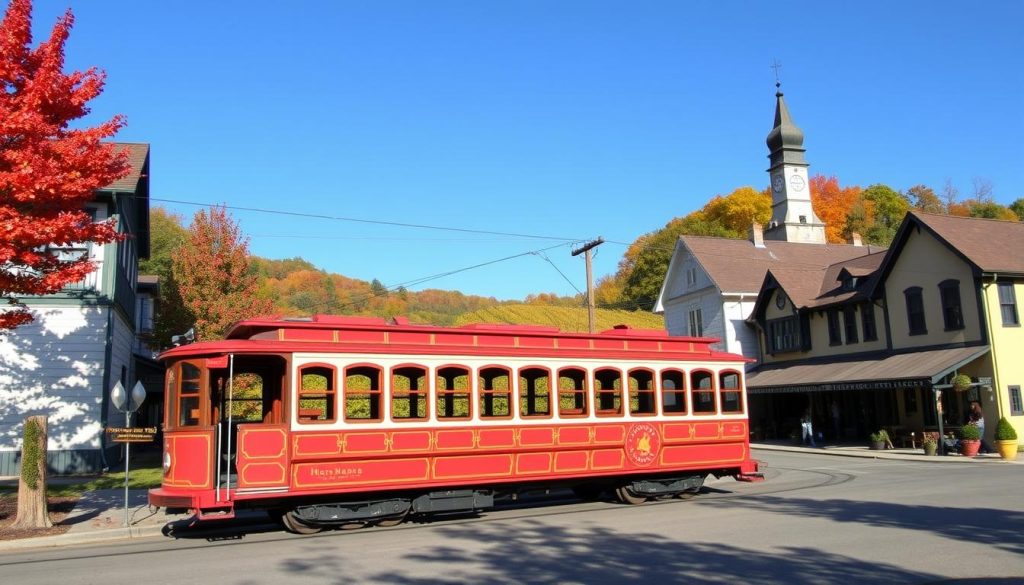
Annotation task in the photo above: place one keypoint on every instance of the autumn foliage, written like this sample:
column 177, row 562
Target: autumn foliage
column 48, row 172
column 214, row 274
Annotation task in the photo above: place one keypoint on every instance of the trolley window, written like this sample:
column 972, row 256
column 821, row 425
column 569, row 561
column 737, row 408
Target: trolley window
column 362, row 393
column 534, row 392
column 190, row 383
column 572, row 392
column 703, row 392
column 453, row 393
column 244, row 399
column 608, row 392
column 317, row 394
column 641, row 392
column 495, row 385
column 673, row 392
column 730, row 391
column 409, row 393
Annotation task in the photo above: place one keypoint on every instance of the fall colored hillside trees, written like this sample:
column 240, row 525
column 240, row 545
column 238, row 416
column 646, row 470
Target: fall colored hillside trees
column 48, row 171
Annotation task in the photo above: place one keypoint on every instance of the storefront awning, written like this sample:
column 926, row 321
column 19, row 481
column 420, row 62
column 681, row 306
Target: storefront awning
column 907, row 370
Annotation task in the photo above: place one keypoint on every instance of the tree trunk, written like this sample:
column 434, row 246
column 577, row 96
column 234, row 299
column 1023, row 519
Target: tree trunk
column 32, row 509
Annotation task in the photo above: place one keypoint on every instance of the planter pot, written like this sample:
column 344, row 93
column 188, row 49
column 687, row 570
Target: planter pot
column 877, row 445
column 930, row 449
column 1007, row 449
column 969, row 447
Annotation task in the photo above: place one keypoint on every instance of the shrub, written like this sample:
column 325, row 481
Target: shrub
column 970, row 433
column 879, row 437
column 930, row 439
column 1005, row 431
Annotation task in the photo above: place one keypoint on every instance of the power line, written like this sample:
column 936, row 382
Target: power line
column 366, row 221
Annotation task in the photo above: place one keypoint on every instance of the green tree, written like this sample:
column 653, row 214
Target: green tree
column 166, row 235
column 883, row 209
column 1018, row 208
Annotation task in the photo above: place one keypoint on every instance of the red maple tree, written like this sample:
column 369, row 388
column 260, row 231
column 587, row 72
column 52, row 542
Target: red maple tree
column 215, row 277
column 48, row 171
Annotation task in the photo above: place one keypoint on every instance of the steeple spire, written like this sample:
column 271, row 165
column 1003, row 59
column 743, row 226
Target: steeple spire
column 793, row 217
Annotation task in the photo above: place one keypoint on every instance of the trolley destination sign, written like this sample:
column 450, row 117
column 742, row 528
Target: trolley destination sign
column 132, row 434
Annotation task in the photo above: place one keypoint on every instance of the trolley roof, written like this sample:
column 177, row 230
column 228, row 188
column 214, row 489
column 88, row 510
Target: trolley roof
column 349, row 334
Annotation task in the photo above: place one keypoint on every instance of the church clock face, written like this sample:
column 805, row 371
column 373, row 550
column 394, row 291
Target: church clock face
column 797, row 183
column 777, row 183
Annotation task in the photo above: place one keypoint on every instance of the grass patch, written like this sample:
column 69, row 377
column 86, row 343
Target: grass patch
column 146, row 472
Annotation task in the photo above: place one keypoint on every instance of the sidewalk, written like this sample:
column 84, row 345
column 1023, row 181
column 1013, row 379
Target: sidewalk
column 99, row 516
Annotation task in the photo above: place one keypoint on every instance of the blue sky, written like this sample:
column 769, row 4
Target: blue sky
column 568, row 120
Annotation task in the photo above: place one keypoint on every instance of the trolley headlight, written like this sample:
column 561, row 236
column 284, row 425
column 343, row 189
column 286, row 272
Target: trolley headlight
column 167, row 462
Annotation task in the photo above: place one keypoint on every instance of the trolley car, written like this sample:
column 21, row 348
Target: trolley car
column 332, row 421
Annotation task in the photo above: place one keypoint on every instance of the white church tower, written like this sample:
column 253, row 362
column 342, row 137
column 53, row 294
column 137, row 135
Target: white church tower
column 793, row 218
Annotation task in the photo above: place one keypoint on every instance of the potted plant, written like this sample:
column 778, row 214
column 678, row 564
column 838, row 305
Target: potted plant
column 970, row 440
column 1006, row 439
column 878, row 440
column 961, row 382
column 930, row 443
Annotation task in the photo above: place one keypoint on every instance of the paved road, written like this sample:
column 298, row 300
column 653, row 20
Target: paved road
column 818, row 519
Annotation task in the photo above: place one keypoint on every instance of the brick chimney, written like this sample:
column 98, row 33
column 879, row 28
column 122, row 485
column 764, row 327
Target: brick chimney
column 756, row 235
column 855, row 239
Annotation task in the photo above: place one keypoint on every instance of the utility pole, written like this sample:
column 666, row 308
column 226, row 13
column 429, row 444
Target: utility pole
column 590, row 277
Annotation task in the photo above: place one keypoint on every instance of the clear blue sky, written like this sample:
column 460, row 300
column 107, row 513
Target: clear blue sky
column 566, row 119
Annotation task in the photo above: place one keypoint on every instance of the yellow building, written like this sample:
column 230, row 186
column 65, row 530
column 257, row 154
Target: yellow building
column 874, row 341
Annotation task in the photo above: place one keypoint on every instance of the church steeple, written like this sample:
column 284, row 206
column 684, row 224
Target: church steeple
column 793, row 218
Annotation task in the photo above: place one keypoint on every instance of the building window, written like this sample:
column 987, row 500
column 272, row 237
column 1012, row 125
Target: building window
column 1016, row 407
column 867, row 322
column 691, row 277
column 915, row 310
column 696, row 323
column 850, row 323
column 952, row 313
column 783, row 334
column 1008, row 303
column 910, row 400
column 834, row 336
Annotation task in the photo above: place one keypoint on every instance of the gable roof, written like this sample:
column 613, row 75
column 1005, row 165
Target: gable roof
column 738, row 266
column 991, row 245
column 138, row 160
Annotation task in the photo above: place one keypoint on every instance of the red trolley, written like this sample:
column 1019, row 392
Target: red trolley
column 346, row 421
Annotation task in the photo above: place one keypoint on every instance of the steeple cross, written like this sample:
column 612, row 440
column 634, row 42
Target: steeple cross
column 776, row 66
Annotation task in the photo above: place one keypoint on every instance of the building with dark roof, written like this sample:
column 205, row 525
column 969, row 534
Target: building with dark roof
column 878, row 339
column 85, row 339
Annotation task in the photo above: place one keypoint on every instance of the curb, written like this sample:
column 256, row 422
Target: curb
column 895, row 455
column 76, row 538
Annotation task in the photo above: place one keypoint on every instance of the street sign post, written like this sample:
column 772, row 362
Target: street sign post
column 127, row 403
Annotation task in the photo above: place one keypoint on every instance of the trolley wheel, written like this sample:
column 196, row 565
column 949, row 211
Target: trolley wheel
column 292, row 524
column 688, row 493
column 626, row 497
column 393, row 521
column 351, row 526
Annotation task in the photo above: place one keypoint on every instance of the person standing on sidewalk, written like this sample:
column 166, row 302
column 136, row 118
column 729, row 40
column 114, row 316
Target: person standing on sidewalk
column 977, row 418
column 807, row 429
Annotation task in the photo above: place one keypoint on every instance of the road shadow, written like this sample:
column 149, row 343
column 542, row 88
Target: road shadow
column 1002, row 529
column 536, row 552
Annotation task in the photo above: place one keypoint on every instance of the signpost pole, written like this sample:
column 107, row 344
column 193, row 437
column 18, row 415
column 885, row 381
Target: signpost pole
column 127, row 450
column 938, row 411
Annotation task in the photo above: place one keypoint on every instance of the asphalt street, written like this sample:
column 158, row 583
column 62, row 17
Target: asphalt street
column 817, row 519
